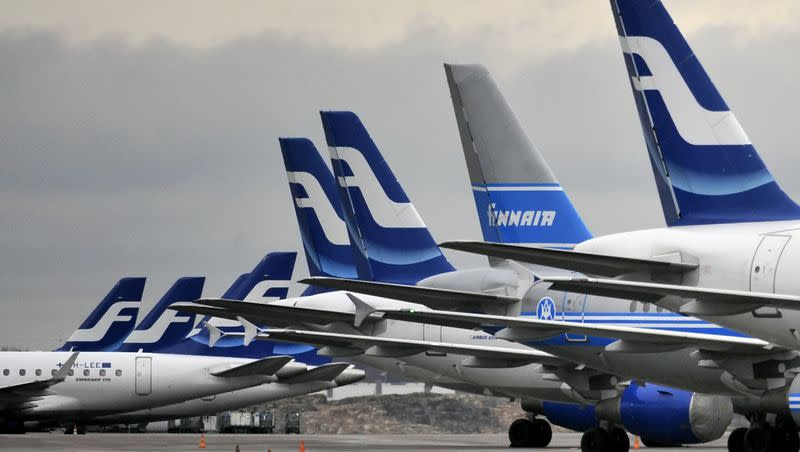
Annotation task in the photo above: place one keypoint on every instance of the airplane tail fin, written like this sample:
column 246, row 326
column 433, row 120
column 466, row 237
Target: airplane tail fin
column 386, row 226
column 111, row 321
column 318, row 210
column 517, row 197
column 276, row 266
column 233, row 291
column 705, row 167
column 163, row 327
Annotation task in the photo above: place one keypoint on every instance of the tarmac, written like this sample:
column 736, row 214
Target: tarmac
column 286, row 443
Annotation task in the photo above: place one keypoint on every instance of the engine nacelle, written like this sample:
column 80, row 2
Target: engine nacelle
column 570, row 415
column 793, row 399
column 668, row 415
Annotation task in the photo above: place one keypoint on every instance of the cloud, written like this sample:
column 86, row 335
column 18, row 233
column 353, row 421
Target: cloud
column 158, row 157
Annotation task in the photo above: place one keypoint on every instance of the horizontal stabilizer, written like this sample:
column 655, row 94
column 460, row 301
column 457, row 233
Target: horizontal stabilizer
column 266, row 366
column 521, row 329
column 701, row 301
column 381, row 346
column 431, row 297
column 587, row 263
column 325, row 372
column 262, row 313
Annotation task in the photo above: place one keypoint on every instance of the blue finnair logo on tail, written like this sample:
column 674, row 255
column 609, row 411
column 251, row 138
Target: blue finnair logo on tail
column 384, row 226
column 536, row 214
column 319, row 213
column 706, row 169
column 163, row 327
column 111, row 321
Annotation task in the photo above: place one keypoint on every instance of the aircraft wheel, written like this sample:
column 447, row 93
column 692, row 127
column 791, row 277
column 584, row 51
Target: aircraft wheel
column 619, row 440
column 596, row 440
column 736, row 440
column 785, row 439
column 758, row 438
column 540, row 433
column 520, row 432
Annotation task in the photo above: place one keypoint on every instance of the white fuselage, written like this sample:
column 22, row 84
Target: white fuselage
column 757, row 257
column 114, row 382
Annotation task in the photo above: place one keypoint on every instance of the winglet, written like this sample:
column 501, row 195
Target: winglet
column 250, row 330
column 62, row 373
column 214, row 334
column 363, row 309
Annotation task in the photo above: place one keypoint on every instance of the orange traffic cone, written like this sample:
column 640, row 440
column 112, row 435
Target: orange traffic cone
column 202, row 441
column 302, row 446
column 636, row 442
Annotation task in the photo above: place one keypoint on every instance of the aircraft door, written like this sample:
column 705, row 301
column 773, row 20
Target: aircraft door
column 573, row 307
column 432, row 333
column 765, row 263
column 144, row 378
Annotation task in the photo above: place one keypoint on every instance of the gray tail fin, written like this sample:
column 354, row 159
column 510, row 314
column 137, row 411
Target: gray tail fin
column 517, row 197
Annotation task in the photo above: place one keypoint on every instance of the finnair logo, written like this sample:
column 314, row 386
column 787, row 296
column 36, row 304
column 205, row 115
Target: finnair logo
column 157, row 330
column 332, row 225
column 543, row 218
column 385, row 212
column 111, row 316
column 694, row 123
column 546, row 309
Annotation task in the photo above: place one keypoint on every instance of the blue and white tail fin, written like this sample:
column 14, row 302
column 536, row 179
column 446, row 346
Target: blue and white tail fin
column 318, row 210
column 233, row 291
column 163, row 327
column 517, row 197
column 111, row 321
column 386, row 226
column 706, row 169
column 268, row 281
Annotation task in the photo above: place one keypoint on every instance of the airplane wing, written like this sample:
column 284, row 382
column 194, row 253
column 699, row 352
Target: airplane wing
column 392, row 347
column 430, row 297
column 590, row 264
column 520, row 329
column 695, row 300
column 266, row 366
column 24, row 395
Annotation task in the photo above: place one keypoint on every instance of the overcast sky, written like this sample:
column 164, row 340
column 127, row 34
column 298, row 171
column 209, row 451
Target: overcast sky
column 140, row 138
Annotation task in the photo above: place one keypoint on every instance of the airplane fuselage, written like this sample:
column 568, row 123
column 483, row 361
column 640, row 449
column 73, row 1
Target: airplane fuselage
column 112, row 382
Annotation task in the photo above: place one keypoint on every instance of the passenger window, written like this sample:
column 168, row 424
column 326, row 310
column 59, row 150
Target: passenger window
column 22, row 372
column 53, row 372
column 6, row 372
column 38, row 372
column 632, row 307
column 102, row 372
column 71, row 372
column 118, row 373
column 86, row 372
column 646, row 307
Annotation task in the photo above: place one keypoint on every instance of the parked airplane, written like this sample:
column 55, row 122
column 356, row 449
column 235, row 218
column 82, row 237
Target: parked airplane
column 589, row 383
column 176, row 335
column 731, row 227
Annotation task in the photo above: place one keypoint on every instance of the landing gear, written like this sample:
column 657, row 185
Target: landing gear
column 595, row 440
column 530, row 433
column 785, row 437
column 601, row 440
column 736, row 440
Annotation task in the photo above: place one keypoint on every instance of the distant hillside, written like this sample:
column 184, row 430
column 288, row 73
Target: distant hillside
column 400, row 414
